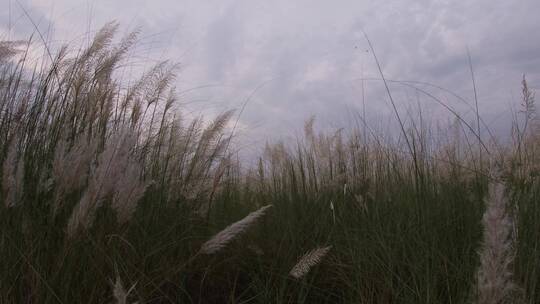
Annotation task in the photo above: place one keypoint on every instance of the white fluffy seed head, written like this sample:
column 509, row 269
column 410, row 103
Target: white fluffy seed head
column 226, row 235
column 12, row 175
column 70, row 168
column 107, row 176
column 129, row 190
column 495, row 284
column 119, row 292
column 309, row 260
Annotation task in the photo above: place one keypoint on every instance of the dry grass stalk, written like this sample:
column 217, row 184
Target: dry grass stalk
column 495, row 277
column 226, row 235
column 309, row 260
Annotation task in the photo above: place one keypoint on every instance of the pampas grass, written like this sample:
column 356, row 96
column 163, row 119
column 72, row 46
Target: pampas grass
column 309, row 260
column 225, row 236
column 117, row 160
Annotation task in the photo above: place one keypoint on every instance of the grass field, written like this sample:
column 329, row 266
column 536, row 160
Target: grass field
column 109, row 195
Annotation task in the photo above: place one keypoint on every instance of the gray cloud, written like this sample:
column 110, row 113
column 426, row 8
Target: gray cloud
column 310, row 55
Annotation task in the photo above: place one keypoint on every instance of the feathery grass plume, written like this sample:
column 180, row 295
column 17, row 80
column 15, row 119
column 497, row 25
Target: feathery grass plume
column 12, row 176
column 307, row 261
column 361, row 201
column 109, row 62
column 110, row 170
column 119, row 292
column 129, row 190
column 70, row 168
column 495, row 277
column 102, row 40
column 308, row 130
column 9, row 49
column 333, row 212
column 226, row 235
column 210, row 145
column 83, row 213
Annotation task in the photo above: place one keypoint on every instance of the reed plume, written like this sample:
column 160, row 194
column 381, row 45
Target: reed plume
column 309, row 260
column 119, row 292
column 495, row 283
column 9, row 49
column 12, row 176
column 109, row 172
column 70, row 168
column 129, row 190
column 225, row 236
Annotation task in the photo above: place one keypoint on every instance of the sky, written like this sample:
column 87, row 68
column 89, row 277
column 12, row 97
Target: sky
column 295, row 59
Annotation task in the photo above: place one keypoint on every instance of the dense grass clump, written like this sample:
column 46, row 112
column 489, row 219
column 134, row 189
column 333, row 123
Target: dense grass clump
column 109, row 195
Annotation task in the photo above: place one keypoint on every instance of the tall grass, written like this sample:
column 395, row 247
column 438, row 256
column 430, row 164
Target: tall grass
column 106, row 179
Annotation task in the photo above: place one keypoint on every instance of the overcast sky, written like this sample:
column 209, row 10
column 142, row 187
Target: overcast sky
column 307, row 57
